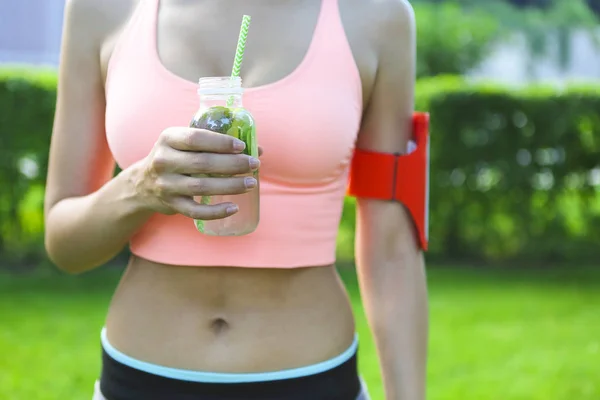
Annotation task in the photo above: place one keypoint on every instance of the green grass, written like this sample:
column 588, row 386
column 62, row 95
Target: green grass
column 495, row 334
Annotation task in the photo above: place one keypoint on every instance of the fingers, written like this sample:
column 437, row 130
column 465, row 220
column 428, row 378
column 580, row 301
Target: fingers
column 190, row 208
column 200, row 140
column 181, row 185
column 167, row 160
column 214, row 164
column 191, row 139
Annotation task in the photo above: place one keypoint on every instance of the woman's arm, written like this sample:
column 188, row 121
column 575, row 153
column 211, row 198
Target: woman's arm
column 89, row 217
column 393, row 288
column 389, row 262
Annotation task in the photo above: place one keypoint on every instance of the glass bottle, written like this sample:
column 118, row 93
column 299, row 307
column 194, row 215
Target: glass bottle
column 221, row 111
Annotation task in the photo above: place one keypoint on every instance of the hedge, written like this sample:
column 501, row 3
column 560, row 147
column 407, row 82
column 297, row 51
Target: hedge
column 27, row 99
column 515, row 174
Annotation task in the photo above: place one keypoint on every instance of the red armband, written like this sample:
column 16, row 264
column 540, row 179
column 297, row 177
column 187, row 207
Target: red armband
column 403, row 178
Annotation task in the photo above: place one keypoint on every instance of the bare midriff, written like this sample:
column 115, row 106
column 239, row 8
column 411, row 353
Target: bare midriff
column 224, row 319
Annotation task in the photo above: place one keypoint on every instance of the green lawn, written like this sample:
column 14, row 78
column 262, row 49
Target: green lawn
column 505, row 335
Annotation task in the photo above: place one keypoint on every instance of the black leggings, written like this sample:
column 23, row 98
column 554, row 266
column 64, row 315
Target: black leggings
column 121, row 382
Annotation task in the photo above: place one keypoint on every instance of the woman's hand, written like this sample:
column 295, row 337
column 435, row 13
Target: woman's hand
column 167, row 180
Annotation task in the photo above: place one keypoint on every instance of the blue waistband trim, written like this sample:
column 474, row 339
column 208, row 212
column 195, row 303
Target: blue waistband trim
column 217, row 377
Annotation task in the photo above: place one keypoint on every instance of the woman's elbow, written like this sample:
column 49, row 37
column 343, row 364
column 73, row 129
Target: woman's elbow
column 58, row 256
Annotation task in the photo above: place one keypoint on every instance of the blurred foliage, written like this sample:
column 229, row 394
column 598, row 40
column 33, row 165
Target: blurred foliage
column 594, row 6
column 555, row 25
column 27, row 99
column 515, row 174
column 451, row 40
column 549, row 26
column 531, row 3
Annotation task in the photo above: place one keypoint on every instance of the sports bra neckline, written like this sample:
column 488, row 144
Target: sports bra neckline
column 152, row 13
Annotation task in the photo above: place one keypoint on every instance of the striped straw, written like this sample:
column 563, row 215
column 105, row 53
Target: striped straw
column 241, row 47
column 239, row 52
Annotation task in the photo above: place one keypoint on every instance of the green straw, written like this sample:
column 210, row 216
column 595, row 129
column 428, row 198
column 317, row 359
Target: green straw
column 239, row 52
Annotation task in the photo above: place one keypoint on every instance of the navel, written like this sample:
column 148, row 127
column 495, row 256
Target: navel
column 219, row 326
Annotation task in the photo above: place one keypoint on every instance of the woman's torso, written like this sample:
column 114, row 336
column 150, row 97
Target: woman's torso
column 229, row 319
column 234, row 319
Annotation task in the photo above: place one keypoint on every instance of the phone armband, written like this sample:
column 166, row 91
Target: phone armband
column 397, row 177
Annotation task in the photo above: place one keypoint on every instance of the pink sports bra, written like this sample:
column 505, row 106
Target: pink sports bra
column 307, row 124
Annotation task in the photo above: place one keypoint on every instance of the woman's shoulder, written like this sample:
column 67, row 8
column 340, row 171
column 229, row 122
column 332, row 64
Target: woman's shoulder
column 91, row 23
column 97, row 18
column 381, row 19
column 94, row 26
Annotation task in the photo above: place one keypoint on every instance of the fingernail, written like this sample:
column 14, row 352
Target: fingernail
column 239, row 145
column 250, row 182
column 254, row 163
column 232, row 209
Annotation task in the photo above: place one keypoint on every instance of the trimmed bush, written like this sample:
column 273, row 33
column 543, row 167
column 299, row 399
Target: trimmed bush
column 516, row 174
column 27, row 99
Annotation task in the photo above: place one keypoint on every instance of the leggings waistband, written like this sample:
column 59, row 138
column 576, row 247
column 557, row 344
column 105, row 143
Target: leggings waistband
column 214, row 377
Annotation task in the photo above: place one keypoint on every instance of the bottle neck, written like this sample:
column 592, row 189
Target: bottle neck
column 220, row 91
column 222, row 100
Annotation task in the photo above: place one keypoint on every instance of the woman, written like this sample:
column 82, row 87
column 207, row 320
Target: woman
column 261, row 316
